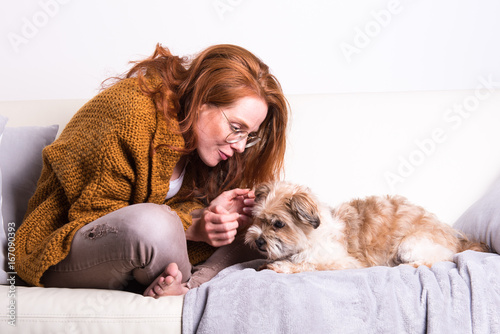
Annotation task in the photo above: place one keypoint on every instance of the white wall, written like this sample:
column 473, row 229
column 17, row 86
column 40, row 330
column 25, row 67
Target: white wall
column 437, row 148
column 65, row 48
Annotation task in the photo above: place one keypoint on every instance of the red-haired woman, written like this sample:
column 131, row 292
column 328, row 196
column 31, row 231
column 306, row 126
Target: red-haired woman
column 154, row 174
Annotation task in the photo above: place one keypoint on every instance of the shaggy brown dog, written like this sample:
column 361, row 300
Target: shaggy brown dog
column 298, row 233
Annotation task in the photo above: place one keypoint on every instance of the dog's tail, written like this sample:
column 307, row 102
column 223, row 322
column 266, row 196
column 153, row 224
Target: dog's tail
column 466, row 244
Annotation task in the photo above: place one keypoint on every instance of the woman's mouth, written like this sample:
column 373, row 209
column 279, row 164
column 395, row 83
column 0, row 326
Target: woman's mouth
column 223, row 156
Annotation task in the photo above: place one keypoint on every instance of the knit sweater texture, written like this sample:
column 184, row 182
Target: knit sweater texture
column 102, row 162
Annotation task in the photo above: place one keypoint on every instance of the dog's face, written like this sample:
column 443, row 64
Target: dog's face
column 284, row 215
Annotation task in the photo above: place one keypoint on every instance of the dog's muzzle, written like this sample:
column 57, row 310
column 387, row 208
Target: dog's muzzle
column 260, row 244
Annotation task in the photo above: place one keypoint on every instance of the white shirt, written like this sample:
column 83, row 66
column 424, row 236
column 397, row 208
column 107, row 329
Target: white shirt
column 175, row 185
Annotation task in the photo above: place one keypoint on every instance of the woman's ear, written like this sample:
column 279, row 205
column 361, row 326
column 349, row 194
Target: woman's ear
column 204, row 107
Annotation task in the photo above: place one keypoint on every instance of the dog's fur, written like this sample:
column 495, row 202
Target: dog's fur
column 298, row 233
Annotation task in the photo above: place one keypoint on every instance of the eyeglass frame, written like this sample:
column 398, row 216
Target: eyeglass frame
column 254, row 139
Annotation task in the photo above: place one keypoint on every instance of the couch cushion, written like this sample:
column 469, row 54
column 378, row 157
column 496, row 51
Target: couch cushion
column 21, row 164
column 57, row 310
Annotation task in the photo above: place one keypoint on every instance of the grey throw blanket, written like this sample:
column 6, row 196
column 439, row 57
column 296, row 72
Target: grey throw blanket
column 452, row 297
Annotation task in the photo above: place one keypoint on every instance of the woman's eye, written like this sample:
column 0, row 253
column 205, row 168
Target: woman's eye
column 279, row 224
column 235, row 128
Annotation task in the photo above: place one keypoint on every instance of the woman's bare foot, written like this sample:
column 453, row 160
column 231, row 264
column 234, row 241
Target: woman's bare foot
column 169, row 283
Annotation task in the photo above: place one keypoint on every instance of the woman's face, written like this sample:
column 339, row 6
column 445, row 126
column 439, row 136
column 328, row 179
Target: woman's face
column 246, row 114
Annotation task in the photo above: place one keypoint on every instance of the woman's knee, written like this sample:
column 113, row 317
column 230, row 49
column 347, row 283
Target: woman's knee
column 142, row 222
column 156, row 222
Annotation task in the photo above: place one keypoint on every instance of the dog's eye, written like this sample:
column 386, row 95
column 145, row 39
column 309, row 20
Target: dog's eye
column 279, row 224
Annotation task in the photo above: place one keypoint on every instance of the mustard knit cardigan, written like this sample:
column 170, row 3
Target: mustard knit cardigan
column 101, row 162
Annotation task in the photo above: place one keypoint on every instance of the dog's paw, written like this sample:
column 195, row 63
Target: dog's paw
column 267, row 265
column 279, row 267
column 273, row 267
column 263, row 267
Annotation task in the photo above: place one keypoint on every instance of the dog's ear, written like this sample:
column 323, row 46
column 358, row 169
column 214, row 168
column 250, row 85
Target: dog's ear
column 262, row 191
column 304, row 207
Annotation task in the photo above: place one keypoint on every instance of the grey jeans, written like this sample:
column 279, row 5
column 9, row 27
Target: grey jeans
column 132, row 246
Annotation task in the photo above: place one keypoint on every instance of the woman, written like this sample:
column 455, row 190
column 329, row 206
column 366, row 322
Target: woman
column 154, row 173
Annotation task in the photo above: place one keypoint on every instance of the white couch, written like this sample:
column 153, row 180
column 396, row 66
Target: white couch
column 341, row 145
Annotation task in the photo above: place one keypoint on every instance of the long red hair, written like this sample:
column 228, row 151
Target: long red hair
column 219, row 76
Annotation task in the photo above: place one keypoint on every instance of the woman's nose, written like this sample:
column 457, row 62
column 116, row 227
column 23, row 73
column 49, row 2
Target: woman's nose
column 239, row 146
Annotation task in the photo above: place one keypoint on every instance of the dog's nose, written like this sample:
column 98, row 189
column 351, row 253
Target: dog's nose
column 260, row 243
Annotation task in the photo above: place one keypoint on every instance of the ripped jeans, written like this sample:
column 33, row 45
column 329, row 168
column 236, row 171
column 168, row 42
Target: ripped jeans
column 127, row 249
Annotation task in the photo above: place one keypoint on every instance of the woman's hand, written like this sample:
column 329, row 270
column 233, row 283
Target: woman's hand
column 237, row 200
column 219, row 223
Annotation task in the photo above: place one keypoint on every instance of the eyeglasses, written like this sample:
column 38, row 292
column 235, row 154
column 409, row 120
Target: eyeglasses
column 237, row 135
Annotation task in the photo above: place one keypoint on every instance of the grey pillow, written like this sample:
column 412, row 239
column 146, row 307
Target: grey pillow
column 481, row 222
column 21, row 165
